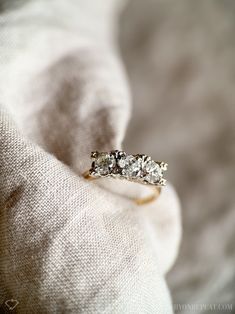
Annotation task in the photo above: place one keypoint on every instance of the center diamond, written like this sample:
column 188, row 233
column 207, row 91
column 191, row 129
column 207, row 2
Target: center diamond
column 131, row 166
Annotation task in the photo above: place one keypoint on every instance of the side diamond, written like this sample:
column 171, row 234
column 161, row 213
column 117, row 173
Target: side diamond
column 153, row 172
column 103, row 164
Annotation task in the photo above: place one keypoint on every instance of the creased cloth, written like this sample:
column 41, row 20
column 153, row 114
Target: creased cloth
column 68, row 245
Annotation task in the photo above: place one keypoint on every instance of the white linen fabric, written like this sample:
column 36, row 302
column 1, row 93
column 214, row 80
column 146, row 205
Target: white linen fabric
column 68, row 245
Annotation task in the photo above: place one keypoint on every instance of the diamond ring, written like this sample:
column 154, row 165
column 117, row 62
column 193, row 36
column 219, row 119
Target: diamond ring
column 136, row 168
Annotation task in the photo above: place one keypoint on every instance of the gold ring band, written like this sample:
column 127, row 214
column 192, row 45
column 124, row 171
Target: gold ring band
column 140, row 200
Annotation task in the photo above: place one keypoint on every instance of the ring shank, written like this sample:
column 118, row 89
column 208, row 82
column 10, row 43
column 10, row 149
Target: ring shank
column 139, row 201
column 150, row 198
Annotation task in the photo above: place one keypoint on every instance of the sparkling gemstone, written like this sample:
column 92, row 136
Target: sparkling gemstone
column 122, row 162
column 151, row 165
column 133, row 166
column 153, row 172
column 104, row 163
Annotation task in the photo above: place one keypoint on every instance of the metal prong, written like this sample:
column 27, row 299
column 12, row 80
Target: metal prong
column 94, row 155
column 163, row 166
column 162, row 182
column 121, row 153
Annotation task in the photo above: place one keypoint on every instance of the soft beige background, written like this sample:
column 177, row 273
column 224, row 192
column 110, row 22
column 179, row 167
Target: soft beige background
column 180, row 57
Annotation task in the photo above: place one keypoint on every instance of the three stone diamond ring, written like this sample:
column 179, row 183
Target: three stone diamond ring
column 136, row 168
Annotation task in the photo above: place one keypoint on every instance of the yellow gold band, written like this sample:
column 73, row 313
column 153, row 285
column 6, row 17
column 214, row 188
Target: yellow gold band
column 139, row 201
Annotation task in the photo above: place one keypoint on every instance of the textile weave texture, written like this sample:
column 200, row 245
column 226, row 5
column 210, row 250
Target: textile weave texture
column 68, row 245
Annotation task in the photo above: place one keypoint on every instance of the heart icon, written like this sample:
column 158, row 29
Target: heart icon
column 11, row 304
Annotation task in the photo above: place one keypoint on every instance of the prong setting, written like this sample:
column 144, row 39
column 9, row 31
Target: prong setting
column 163, row 166
column 118, row 164
column 94, row 155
